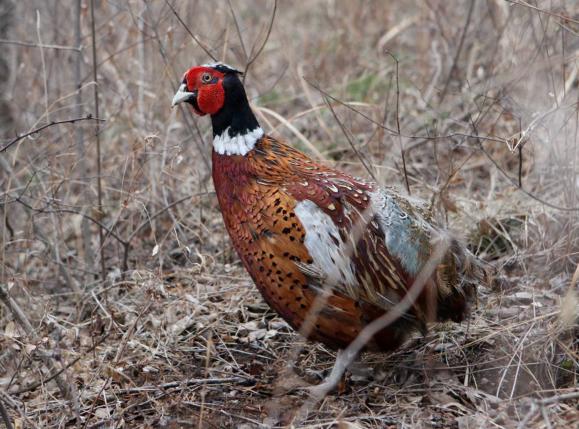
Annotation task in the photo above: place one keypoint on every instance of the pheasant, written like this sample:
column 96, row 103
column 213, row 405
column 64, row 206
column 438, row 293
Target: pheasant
column 329, row 252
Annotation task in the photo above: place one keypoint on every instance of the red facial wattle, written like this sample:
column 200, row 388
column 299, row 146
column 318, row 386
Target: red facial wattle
column 195, row 106
column 210, row 95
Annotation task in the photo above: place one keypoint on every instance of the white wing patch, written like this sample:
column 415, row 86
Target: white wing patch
column 239, row 144
column 331, row 256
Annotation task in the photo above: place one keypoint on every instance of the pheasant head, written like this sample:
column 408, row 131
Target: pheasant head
column 216, row 90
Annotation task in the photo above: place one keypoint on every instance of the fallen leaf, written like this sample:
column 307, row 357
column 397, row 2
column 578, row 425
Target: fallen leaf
column 11, row 330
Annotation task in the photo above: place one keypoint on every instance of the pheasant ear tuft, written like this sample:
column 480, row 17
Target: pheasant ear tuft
column 223, row 68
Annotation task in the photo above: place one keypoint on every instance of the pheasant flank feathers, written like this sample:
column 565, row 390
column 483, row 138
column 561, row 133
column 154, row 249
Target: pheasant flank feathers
column 320, row 245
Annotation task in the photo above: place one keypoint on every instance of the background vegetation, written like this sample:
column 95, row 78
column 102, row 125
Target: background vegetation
column 124, row 304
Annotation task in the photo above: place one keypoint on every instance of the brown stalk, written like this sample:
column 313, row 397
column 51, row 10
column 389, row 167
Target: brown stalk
column 98, row 144
column 402, row 151
column 458, row 51
column 80, row 146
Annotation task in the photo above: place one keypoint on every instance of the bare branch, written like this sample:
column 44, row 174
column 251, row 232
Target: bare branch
column 546, row 12
column 38, row 45
column 560, row 398
column 515, row 182
column 238, row 29
column 260, row 50
column 98, row 142
column 458, row 51
column 402, row 151
column 127, row 243
column 201, row 45
column 43, row 127
column 5, row 416
column 448, row 136
column 84, row 215
column 397, row 311
column 352, row 145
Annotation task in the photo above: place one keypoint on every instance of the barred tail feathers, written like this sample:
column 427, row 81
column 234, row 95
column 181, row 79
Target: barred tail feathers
column 457, row 278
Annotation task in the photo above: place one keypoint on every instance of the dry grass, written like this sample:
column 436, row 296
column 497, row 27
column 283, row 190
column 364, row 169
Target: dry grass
column 177, row 336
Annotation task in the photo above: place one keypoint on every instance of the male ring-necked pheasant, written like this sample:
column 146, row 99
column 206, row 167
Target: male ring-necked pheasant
column 325, row 249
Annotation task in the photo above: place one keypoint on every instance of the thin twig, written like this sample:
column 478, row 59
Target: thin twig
column 80, row 143
column 238, row 29
column 37, row 384
column 515, row 183
column 198, row 142
column 546, row 417
column 67, row 390
column 43, row 62
column 43, row 127
column 449, row 136
column 520, row 166
column 458, row 51
column 5, row 416
column 72, row 211
column 527, row 417
column 260, row 50
column 98, row 142
column 192, row 382
column 546, row 12
column 559, row 398
column 201, row 45
column 402, row 151
column 54, row 246
column 38, row 45
column 163, row 210
column 127, row 243
column 520, row 157
column 396, row 312
column 352, row 145
column 114, row 55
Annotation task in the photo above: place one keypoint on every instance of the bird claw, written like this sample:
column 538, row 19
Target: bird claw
column 336, row 379
column 319, row 390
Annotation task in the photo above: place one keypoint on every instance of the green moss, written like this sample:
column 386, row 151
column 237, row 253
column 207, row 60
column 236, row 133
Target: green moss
column 270, row 98
column 358, row 89
column 567, row 364
column 367, row 86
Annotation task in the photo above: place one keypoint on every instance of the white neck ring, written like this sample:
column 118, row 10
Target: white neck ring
column 240, row 144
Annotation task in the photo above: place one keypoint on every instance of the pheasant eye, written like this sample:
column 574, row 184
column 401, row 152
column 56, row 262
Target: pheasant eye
column 206, row 78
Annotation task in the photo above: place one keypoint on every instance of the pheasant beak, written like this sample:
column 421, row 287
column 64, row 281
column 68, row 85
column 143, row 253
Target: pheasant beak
column 183, row 95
